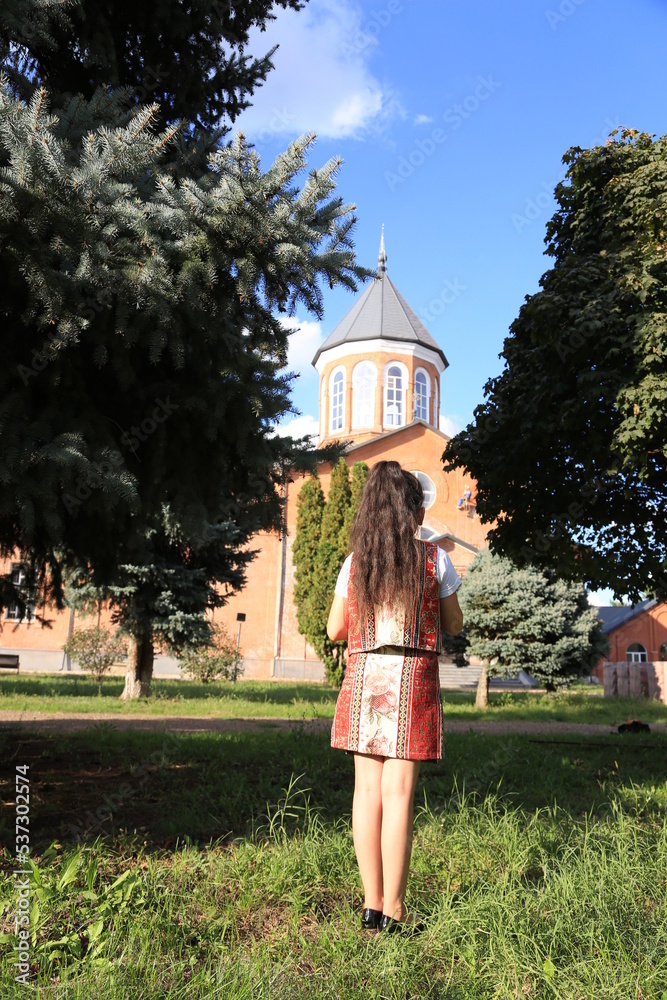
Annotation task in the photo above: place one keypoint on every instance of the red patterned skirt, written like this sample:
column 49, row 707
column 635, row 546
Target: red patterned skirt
column 390, row 705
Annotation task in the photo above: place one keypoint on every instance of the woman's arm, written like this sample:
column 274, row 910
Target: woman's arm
column 451, row 616
column 337, row 622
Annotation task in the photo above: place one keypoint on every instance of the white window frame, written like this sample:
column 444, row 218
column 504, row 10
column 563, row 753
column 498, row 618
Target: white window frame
column 428, row 486
column 386, row 388
column 323, row 416
column 427, row 399
column 636, row 655
column 12, row 611
column 333, row 416
column 364, row 380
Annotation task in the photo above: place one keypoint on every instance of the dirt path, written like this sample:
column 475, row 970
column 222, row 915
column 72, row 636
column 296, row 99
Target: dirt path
column 67, row 722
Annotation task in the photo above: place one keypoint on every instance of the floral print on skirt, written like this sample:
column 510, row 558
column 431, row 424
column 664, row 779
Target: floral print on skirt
column 389, row 705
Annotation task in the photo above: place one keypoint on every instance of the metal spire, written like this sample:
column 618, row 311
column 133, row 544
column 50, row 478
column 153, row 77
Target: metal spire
column 382, row 257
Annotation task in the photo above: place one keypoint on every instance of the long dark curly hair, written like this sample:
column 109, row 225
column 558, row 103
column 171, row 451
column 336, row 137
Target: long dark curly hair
column 386, row 551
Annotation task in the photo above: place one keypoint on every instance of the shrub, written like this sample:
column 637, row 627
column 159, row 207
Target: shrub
column 95, row 649
column 217, row 660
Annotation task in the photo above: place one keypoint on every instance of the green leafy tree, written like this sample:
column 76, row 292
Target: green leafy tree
column 145, row 267
column 215, row 660
column 95, row 649
column 524, row 619
column 569, row 449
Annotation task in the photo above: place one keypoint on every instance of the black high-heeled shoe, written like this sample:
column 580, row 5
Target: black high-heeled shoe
column 371, row 919
column 392, row 926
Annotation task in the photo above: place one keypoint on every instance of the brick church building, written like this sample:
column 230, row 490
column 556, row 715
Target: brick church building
column 380, row 393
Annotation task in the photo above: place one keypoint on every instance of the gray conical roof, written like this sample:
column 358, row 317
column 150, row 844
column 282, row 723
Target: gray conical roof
column 381, row 312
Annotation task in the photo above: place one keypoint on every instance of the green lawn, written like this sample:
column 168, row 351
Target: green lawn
column 541, row 869
column 299, row 700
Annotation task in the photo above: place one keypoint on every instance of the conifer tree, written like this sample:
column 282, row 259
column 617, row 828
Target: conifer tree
column 326, row 567
column 525, row 619
column 357, row 480
column 145, row 265
column 310, row 508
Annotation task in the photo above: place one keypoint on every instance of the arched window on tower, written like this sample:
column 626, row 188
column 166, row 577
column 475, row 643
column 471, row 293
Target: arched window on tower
column 421, row 395
column 337, row 394
column 394, row 397
column 323, row 425
column 364, row 380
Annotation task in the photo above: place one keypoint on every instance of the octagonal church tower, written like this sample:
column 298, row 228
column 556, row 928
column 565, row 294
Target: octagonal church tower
column 379, row 368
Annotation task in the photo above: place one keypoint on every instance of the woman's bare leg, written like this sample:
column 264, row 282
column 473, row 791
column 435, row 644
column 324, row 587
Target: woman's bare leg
column 367, row 826
column 399, row 779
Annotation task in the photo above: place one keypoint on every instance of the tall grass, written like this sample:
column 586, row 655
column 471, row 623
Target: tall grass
column 541, row 870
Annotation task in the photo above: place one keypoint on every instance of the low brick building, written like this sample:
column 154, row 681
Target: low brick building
column 637, row 662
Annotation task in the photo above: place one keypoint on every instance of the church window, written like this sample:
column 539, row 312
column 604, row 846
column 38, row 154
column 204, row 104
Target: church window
column 323, row 426
column 421, row 395
column 364, row 379
column 635, row 653
column 394, row 397
column 428, row 487
column 337, row 399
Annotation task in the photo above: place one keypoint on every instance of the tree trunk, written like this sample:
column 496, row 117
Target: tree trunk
column 482, row 699
column 140, row 668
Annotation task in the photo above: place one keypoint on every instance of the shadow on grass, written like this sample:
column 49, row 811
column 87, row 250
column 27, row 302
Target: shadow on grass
column 164, row 789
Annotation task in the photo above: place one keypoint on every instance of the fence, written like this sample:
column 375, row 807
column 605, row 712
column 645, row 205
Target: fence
column 635, row 680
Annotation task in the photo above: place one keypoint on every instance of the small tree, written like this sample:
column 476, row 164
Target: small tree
column 217, row 660
column 95, row 649
column 526, row 619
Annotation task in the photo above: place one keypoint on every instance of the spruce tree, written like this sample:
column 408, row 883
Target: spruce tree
column 524, row 619
column 145, row 266
column 189, row 58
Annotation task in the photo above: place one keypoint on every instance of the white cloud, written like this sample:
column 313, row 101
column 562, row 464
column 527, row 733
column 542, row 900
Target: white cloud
column 600, row 598
column 303, row 344
column 423, row 120
column 449, row 425
column 299, row 427
column 321, row 81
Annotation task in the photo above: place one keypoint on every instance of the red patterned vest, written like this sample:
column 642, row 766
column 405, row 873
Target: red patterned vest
column 421, row 627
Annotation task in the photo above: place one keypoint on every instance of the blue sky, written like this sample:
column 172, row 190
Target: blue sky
column 509, row 87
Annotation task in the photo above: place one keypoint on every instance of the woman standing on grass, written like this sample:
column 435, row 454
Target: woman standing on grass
column 393, row 596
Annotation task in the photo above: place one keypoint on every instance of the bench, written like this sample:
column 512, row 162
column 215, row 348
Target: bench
column 9, row 661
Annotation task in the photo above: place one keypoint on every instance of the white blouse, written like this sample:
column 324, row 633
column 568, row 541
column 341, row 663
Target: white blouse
column 447, row 577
